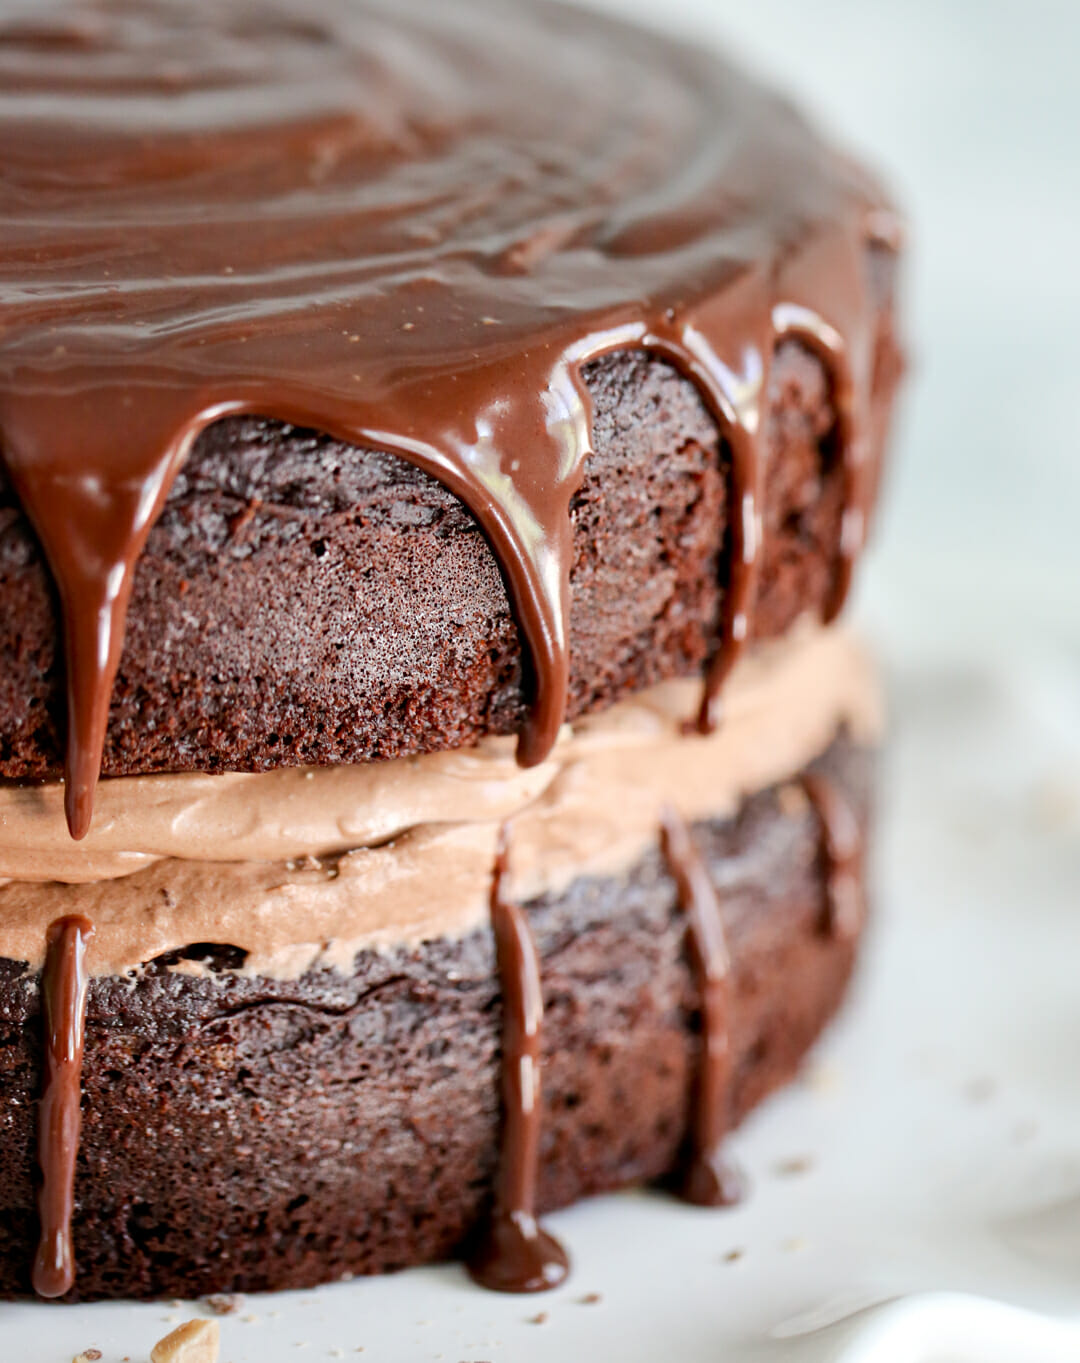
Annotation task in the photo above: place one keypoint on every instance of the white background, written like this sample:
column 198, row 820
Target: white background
column 943, row 1121
column 972, row 110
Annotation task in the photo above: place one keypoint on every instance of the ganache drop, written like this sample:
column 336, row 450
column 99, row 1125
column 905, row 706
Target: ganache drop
column 63, row 996
column 514, row 1253
column 842, row 843
column 708, row 1179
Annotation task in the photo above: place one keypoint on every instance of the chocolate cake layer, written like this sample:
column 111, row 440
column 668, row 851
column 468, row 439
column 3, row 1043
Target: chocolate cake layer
column 304, row 601
column 381, row 221
column 244, row 1134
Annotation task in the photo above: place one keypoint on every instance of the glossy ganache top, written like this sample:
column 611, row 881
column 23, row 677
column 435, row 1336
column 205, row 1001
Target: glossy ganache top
column 407, row 224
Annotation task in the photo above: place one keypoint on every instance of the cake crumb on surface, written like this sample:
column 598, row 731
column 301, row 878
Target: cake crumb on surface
column 539, row 1319
column 590, row 1299
column 794, row 1165
column 196, row 1341
column 224, row 1303
column 733, row 1256
column 822, row 1077
column 87, row 1356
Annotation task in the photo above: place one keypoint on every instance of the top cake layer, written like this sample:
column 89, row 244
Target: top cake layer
column 417, row 229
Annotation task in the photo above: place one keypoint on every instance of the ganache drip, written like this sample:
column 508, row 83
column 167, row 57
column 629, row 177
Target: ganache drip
column 842, row 844
column 63, row 995
column 408, row 226
column 514, row 1253
column 708, row 1180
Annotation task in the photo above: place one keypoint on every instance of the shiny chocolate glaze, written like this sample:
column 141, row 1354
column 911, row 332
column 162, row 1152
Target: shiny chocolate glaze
column 514, row 1253
column 63, row 991
column 709, row 1180
column 842, row 848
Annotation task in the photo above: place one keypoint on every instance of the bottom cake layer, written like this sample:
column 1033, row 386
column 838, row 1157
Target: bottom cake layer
column 245, row 1134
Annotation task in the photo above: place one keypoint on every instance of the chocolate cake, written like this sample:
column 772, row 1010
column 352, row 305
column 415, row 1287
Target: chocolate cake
column 403, row 408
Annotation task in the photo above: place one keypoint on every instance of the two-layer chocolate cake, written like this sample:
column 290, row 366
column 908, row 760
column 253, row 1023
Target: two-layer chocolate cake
column 403, row 406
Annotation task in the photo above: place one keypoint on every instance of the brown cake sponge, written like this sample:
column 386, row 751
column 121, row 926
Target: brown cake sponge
column 244, row 1134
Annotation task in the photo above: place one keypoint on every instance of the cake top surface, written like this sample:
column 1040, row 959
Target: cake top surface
column 408, row 225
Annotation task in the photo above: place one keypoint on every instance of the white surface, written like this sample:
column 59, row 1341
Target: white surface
column 940, row 1220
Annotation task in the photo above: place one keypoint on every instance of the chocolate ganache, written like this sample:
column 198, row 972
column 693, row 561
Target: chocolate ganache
column 63, row 989
column 842, row 847
column 407, row 225
column 514, row 1253
column 708, row 1179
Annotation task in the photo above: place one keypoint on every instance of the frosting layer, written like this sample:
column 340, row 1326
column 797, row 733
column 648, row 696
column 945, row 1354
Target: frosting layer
column 305, row 867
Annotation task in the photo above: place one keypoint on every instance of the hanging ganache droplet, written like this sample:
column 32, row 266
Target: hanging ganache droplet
column 708, row 1179
column 514, row 1253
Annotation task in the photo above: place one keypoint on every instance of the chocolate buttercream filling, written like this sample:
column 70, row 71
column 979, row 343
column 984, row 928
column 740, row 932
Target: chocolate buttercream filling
column 298, row 868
